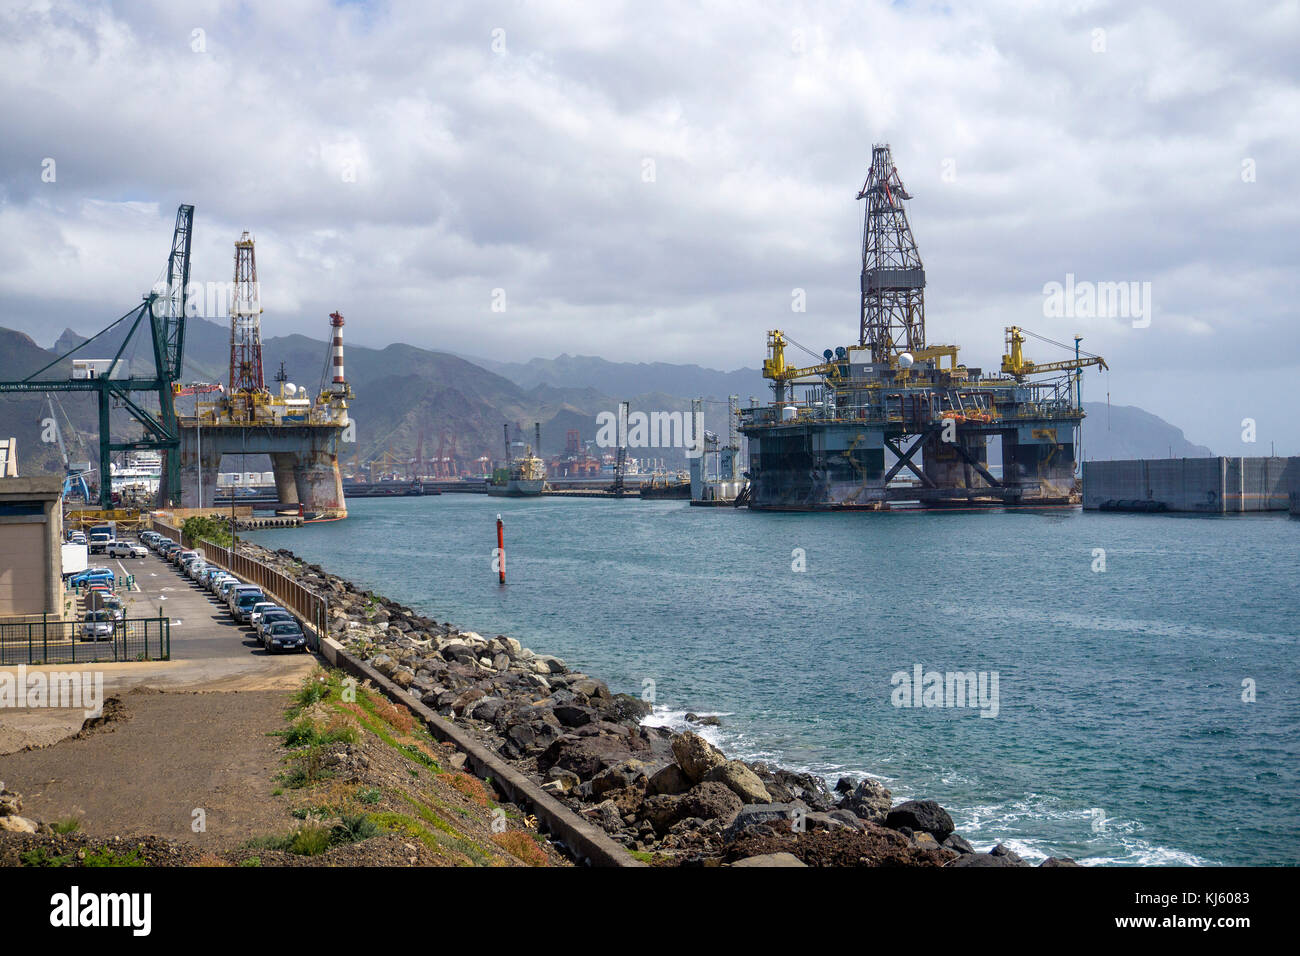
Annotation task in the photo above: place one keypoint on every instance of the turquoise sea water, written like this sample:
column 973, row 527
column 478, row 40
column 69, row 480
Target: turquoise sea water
column 1121, row 734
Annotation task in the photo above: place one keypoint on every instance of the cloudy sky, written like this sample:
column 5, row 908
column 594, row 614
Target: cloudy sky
column 653, row 181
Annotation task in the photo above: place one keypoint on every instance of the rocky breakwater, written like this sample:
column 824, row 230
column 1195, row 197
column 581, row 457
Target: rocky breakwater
column 672, row 797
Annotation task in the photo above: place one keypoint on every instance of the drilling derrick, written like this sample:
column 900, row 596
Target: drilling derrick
column 246, row 378
column 893, row 279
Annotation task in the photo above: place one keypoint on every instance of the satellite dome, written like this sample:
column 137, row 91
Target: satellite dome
column 905, row 360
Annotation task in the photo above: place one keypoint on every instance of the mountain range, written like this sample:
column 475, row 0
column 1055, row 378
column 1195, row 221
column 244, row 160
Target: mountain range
column 408, row 396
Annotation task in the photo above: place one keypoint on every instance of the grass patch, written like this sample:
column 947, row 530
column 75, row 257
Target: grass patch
column 308, row 768
column 399, row 718
column 354, row 827
column 522, row 846
column 370, row 796
column 305, row 733
column 107, row 857
column 41, row 857
column 470, row 786
column 376, row 726
column 315, row 688
column 447, row 835
column 66, row 825
column 311, row 839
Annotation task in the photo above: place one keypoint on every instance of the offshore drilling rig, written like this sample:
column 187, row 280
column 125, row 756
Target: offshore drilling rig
column 820, row 444
column 301, row 435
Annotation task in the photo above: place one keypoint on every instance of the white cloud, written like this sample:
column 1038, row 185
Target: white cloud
column 391, row 164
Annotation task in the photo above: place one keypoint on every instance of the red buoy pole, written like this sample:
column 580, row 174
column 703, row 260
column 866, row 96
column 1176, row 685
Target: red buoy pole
column 501, row 550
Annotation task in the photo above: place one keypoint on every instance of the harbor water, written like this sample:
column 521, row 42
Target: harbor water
column 1147, row 680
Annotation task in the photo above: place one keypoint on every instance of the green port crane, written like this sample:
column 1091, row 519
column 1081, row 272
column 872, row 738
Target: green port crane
column 165, row 308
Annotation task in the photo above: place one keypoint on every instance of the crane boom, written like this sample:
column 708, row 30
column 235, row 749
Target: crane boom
column 1016, row 365
column 177, row 292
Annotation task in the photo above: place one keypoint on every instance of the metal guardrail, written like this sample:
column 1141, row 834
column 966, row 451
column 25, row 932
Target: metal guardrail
column 70, row 642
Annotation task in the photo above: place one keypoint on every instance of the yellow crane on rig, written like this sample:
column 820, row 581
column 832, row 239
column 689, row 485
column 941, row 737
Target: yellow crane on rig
column 1017, row 366
column 774, row 366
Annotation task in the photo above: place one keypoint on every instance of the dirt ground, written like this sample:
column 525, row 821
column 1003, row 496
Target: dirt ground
column 157, row 759
column 138, row 780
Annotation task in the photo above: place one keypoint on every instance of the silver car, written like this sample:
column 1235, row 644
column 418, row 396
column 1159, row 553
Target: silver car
column 97, row 626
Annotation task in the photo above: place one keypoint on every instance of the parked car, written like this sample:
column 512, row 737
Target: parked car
column 180, row 554
column 273, row 616
column 191, row 565
column 226, row 586
column 125, row 549
column 90, row 576
column 255, row 614
column 217, row 578
column 284, row 636
column 97, row 626
column 76, row 537
column 113, row 604
column 243, row 601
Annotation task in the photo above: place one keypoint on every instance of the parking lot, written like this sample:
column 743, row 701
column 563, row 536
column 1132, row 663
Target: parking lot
column 209, row 652
column 202, row 628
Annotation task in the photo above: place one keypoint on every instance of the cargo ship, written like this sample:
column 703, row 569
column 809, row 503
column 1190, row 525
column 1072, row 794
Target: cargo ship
column 523, row 477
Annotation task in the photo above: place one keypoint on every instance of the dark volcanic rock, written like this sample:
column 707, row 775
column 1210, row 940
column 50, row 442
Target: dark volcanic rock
column 871, row 801
column 923, row 815
column 1058, row 861
column 572, row 715
column 760, row 814
column 710, row 801
column 703, row 721
column 585, row 756
column 617, row 777
column 670, row 780
column 983, row 859
column 623, row 708
column 1007, row 853
column 958, row 843
column 872, row 846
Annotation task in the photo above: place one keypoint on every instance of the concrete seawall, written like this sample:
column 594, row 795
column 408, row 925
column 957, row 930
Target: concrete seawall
column 1199, row 485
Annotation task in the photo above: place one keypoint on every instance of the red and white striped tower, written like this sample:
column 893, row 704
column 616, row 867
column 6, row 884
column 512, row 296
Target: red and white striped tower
column 336, row 321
